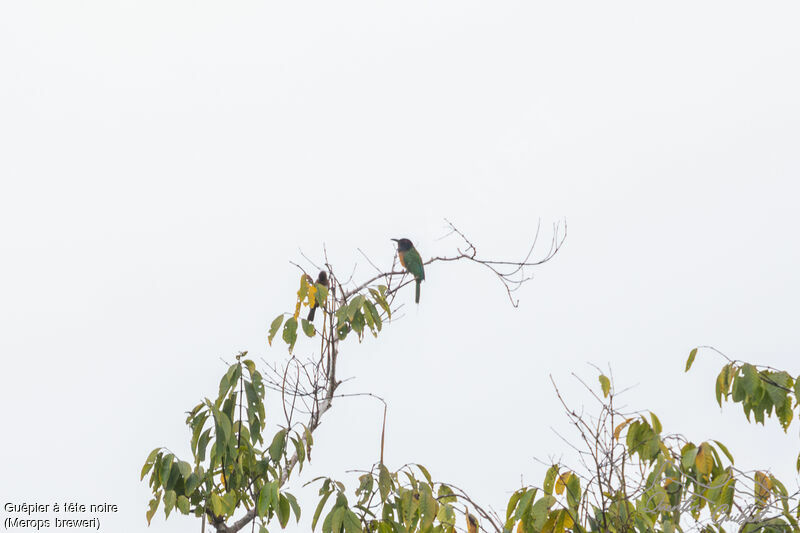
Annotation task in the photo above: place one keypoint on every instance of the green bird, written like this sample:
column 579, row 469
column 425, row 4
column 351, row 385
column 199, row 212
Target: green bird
column 411, row 261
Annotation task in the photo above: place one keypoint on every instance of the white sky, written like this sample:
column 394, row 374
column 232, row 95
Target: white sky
column 162, row 162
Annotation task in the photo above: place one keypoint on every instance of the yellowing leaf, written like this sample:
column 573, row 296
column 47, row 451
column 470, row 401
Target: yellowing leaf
column 704, row 461
column 690, row 360
column 305, row 283
column 762, row 488
column 568, row 522
column 605, row 384
column 312, row 295
column 561, row 482
column 619, row 428
column 472, row 523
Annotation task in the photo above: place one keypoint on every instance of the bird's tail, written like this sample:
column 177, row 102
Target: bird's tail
column 311, row 314
column 416, row 299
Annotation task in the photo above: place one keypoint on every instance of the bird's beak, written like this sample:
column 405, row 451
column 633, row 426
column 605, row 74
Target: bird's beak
column 395, row 240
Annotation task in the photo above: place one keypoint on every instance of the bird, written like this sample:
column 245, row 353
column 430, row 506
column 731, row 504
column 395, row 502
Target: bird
column 322, row 279
column 411, row 261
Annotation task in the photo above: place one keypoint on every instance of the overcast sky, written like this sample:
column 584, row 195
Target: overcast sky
column 163, row 161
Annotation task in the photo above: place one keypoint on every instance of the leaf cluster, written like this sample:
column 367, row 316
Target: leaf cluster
column 646, row 481
column 405, row 501
column 231, row 467
column 365, row 311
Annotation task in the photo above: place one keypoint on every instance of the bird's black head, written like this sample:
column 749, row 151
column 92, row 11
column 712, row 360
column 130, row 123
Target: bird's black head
column 322, row 279
column 403, row 245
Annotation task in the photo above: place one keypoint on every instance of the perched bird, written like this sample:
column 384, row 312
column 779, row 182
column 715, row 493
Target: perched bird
column 322, row 279
column 411, row 261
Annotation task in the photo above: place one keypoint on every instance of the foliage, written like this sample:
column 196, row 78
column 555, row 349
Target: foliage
column 760, row 389
column 231, row 466
column 359, row 313
column 637, row 478
column 630, row 475
column 388, row 502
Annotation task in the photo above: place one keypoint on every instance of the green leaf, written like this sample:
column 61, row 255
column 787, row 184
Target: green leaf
column 358, row 323
column 153, row 507
column 370, row 310
column 166, row 465
column 656, row 423
column 290, row 333
column 308, row 328
column 191, row 483
column 539, row 510
column 336, row 519
column 784, row 412
column 342, row 330
column 319, row 508
column 724, row 450
column 445, row 494
column 223, row 426
column 688, row 455
column 721, row 388
column 198, row 424
column 300, row 451
column 751, row 381
column 550, row 479
column 264, row 500
column 183, row 504
column 797, row 389
column 351, row 522
column 294, row 504
column 513, row 501
column 354, row 305
column 524, row 503
column 229, row 503
column 169, row 502
column 226, row 381
column 148, row 464
column 277, row 446
column 605, row 384
column 446, row 515
column 184, row 468
column 573, row 493
column 216, row 504
column 425, row 473
column 284, row 511
column 368, row 317
column 273, row 328
column 202, row 444
column 384, row 482
column 380, row 299
column 775, row 383
column 689, row 361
